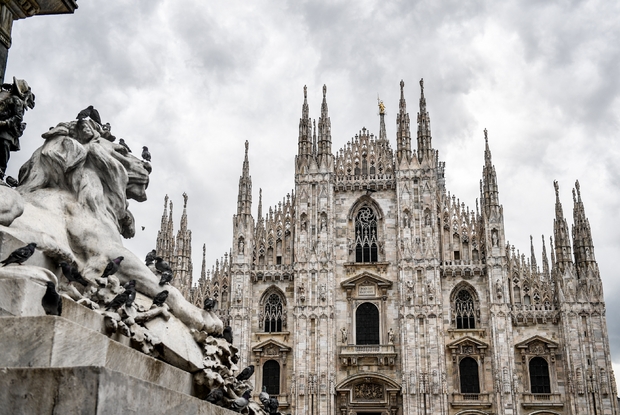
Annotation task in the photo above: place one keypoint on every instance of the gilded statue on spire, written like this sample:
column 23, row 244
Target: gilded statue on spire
column 381, row 106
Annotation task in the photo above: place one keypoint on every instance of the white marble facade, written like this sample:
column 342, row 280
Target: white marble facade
column 372, row 289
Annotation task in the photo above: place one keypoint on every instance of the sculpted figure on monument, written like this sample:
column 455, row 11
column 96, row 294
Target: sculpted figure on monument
column 15, row 99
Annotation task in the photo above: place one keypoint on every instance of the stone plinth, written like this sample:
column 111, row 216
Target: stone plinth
column 91, row 390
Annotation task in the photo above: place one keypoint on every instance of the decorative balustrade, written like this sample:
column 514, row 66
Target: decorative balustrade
column 468, row 400
column 541, row 400
column 368, row 354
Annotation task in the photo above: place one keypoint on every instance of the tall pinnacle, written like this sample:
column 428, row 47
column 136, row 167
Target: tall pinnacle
column 425, row 145
column 582, row 235
column 490, row 192
column 203, row 271
column 533, row 255
column 545, row 260
column 560, row 232
column 305, row 128
column 382, row 133
column 325, row 129
column 403, row 131
column 244, row 201
column 260, row 204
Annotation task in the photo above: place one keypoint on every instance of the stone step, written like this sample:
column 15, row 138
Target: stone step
column 55, row 342
column 91, row 390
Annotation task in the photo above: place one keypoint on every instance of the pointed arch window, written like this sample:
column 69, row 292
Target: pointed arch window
column 271, row 377
column 366, row 246
column 367, row 324
column 464, row 310
column 273, row 314
column 539, row 376
column 468, row 373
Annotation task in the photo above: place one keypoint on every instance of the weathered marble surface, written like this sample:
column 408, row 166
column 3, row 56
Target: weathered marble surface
column 91, row 391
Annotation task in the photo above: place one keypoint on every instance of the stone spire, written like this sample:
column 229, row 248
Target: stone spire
column 183, row 268
column 545, row 260
column 425, row 145
column 382, row 133
column 305, row 129
column 490, row 193
column 260, row 204
column 403, row 131
column 325, row 131
column 534, row 266
column 560, row 233
column 165, row 236
column 244, row 201
column 582, row 235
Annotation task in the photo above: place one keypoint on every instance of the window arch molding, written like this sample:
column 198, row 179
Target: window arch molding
column 367, row 250
column 456, row 300
column 273, row 312
column 365, row 201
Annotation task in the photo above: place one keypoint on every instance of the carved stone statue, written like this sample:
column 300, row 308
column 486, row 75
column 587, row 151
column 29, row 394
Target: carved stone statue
column 391, row 336
column 15, row 99
column 343, row 333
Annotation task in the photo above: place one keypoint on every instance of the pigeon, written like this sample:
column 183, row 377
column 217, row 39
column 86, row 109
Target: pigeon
column 72, row 274
column 272, row 406
column 145, row 153
column 166, row 277
column 209, row 304
column 150, row 257
column 161, row 265
column 112, row 267
column 11, row 181
column 51, row 301
column 20, row 255
column 240, row 403
column 215, row 395
column 122, row 143
column 227, row 334
column 131, row 296
column 131, row 284
column 263, row 397
column 160, row 298
column 246, row 373
column 118, row 301
column 91, row 113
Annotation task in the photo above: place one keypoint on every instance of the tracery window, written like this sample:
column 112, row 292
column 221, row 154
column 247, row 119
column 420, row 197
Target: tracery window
column 468, row 373
column 366, row 246
column 273, row 314
column 539, row 376
column 464, row 310
column 367, row 324
column 271, row 377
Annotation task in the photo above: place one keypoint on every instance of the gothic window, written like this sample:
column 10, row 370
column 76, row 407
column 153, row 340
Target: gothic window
column 539, row 376
column 468, row 373
column 464, row 310
column 366, row 246
column 367, row 324
column 273, row 314
column 271, row 377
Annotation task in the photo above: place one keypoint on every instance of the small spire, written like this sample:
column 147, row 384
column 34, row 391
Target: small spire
column 184, row 200
column 324, row 129
column 425, row 146
column 562, row 242
column 244, row 200
column 382, row 133
column 403, row 132
column 203, row 271
column 260, row 203
column 533, row 255
column 545, row 260
column 490, row 192
column 582, row 235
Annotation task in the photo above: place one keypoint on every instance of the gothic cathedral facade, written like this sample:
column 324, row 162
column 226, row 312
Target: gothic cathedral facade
column 372, row 290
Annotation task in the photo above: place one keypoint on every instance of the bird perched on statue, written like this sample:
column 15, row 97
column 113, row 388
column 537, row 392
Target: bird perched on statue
column 72, row 274
column 215, row 396
column 161, row 265
column 270, row 403
column 51, row 301
column 227, row 334
column 131, row 284
column 91, row 113
column 209, row 303
column 118, row 301
column 145, row 153
column 166, row 277
column 150, row 257
column 240, row 403
column 11, row 181
column 246, row 373
column 131, row 296
column 20, row 255
column 112, row 267
column 263, row 397
column 124, row 144
column 160, row 298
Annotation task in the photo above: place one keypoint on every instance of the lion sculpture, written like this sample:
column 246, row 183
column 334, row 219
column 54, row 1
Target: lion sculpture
column 73, row 194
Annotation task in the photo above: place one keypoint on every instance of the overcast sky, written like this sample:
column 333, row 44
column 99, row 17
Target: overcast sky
column 193, row 80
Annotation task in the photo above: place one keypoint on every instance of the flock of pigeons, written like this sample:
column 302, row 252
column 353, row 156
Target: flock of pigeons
column 52, row 304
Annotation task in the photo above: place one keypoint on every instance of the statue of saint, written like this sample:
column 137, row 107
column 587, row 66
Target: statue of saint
column 15, row 99
column 343, row 332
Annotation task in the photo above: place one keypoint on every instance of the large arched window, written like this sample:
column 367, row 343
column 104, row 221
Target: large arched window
column 464, row 310
column 539, row 376
column 271, row 377
column 273, row 314
column 468, row 372
column 367, row 324
column 366, row 245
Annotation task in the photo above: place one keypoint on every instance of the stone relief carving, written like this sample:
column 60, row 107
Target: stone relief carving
column 368, row 392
